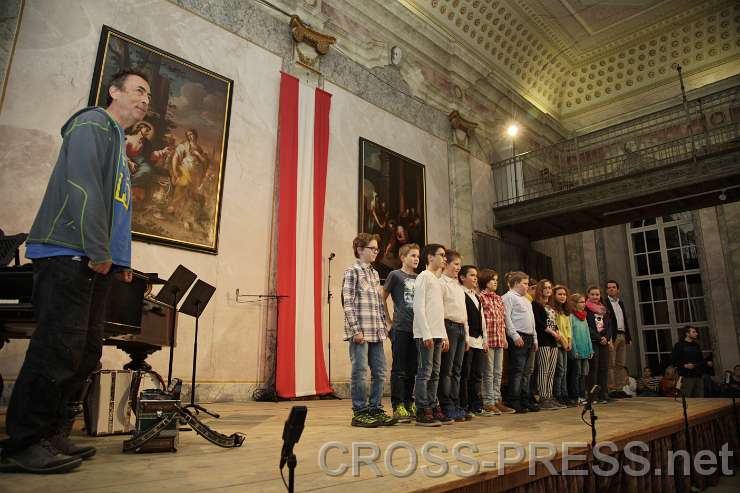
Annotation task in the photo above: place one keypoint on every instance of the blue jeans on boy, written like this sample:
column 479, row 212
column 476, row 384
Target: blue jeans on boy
column 361, row 356
column 520, row 364
column 451, row 369
column 427, row 373
column 403, row 367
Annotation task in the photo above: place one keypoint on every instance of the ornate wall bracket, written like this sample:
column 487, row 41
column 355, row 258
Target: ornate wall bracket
column 462, row 129
column 309, row 44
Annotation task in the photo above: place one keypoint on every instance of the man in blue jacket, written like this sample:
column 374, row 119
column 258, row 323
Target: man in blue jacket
column 81, row 234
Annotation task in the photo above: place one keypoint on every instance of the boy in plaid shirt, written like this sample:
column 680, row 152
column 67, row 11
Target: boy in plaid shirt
column 365, row 327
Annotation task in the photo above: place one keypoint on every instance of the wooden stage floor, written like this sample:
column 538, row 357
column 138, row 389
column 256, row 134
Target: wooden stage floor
column 201, row 466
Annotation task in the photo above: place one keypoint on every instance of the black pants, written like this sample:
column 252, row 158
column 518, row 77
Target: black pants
column 599, row 373
column 470, row 380
column 69, row 300
column 403, row 370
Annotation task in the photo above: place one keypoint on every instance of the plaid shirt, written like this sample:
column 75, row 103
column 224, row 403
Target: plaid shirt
column 493, row 309
column 363, row 307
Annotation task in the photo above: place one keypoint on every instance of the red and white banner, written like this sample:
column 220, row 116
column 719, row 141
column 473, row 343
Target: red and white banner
column 303, row 145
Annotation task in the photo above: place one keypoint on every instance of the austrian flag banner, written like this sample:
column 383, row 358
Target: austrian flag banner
column 303, row 145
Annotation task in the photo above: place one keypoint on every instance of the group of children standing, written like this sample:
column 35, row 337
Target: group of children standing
column 449, row 331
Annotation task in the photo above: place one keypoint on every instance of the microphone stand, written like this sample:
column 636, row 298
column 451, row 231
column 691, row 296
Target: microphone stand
column 328, row 314
column 679, row 388
column 329, row 296
column 589, row 407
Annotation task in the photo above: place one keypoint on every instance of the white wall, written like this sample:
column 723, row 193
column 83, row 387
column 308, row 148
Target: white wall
column 50, row 79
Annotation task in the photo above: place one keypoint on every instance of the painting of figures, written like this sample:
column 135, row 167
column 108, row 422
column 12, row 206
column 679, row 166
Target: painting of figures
column 178, row 152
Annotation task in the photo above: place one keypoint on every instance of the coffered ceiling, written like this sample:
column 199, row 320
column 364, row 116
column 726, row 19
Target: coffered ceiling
column 571, row 58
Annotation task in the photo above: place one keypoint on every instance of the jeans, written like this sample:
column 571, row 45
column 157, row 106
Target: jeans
column 427, row 373
column 617, row 361
column 599, row 373
column 493, row 368
column 451, row 369
column 560, row 389
column 692, row 386
column 577, row 372
column 403, row 368
column 69, row 300
column 520, row 371
column 363, row 355
column 470, row 381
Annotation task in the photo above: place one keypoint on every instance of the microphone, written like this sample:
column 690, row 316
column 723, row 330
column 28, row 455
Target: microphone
column 332, row 255
column 292, row 432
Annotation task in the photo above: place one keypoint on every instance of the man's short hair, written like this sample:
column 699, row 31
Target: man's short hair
column 516, row 277
column 451, row 255
column 405, row 249
column 119, row 79
column 685, row 330
column 430, row 249
column 464, row 271
column 485, row 276
column 362, row 240
column 612, row 281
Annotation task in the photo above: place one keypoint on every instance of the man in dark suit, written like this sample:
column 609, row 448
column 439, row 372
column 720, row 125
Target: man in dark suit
column 622, row 338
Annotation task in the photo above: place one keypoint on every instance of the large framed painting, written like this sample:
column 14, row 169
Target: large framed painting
column 178, row 152
column 392, row 202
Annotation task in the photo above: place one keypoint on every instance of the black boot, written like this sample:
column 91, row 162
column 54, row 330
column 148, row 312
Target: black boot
column 39, row 458
column 60, row 440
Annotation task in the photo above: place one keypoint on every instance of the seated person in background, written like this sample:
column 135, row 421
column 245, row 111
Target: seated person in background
column 630, row 386
column 648, row 385
column 731, row 382
column 668, row 382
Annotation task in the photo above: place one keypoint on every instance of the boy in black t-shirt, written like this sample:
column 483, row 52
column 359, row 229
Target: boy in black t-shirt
column 400, row 286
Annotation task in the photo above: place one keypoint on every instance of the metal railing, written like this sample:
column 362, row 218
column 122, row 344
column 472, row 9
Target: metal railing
column 659, row 139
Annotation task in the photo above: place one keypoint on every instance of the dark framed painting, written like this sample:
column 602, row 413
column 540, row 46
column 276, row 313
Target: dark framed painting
column 177, row 153
column 392, row 202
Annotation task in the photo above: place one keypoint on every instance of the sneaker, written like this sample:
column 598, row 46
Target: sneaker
column 549, row 405
column 457, row 415
column 364, row 419
column 581, row 401
column 383, row 418
column 39, row 458
column 63, row 444
column 520, row 410
column 571, row 403
column 468, row 414
column 412, row 409
column 504, row 409
column 490, row 411
column 424, row 417
column 558, row 404
column 401, row 414
column 533, row 407
column 441, row 417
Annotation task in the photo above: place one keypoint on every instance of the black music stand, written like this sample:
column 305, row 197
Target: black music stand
column 171, row 293
column 194, row 305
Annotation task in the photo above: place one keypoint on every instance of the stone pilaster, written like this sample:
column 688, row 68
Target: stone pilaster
column 461, row 190
column 10, row 16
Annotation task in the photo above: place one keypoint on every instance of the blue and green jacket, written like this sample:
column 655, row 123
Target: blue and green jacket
column 87, row 204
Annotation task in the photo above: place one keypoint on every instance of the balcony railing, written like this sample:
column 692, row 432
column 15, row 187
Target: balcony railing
column 661, row 139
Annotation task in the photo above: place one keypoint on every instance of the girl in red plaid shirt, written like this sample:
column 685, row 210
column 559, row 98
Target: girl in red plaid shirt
column 493, row 310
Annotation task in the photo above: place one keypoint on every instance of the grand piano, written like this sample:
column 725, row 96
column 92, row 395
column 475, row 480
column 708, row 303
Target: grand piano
column 135, row 322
